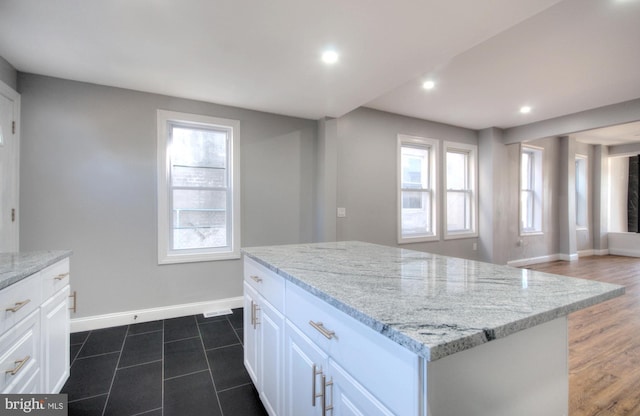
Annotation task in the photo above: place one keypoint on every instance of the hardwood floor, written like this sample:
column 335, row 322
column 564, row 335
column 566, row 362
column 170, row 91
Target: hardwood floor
column 604, row 340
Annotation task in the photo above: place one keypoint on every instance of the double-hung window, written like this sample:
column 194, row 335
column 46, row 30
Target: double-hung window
column 530, row 190
column 461, row 184
column 416, row 189
column 198, row 188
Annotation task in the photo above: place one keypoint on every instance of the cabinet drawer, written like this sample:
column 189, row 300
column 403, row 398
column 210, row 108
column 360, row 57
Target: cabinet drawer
column 369, row 357
column 19, row 300
column 20, row 354
column 265, row 282
column 55, row 277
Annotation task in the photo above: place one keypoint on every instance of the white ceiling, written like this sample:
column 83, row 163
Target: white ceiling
column 487, row 57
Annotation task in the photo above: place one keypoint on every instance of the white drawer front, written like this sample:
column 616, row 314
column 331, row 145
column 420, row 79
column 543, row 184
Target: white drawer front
column 21, row 354
column 368, row 356
column 19, row 300
column 265, row 282
column 55, row 277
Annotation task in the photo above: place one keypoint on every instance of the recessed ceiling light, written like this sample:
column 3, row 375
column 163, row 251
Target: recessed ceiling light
column 329, row 56
column 428, row 85
column 525, row 109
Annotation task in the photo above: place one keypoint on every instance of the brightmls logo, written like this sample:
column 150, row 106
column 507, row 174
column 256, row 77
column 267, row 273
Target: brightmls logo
column 33, row 404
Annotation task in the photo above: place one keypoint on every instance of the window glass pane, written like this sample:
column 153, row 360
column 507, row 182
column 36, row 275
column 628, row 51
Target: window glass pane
column 199, row 219
column 525, row 172
column 458, row 211
column 416, row 213
column 457, row 170
column 415, row 168
column 198, row 147
column 198, row 177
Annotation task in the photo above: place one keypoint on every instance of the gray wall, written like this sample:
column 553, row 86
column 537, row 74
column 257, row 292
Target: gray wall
column 88, row 183
column 367, row 177
column 8, row 74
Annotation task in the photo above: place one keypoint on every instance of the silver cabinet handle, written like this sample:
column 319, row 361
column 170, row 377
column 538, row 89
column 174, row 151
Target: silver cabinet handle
column 18, row 367
column 61, row 276
column 324, row 331
column 314, row 373
column 18, row 306
column 256, row 279
column 326, row 384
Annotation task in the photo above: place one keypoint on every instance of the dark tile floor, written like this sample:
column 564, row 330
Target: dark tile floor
column 183, row 366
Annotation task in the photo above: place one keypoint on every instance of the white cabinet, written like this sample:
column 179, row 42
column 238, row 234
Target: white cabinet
column 34, row 345
column 308, row 358
column 264, row 335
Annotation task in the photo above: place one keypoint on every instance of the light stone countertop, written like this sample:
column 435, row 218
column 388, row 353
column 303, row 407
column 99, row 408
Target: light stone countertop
column 433, row 305
column 16, row 266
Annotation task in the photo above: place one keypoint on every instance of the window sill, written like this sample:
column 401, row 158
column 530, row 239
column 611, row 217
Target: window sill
column 418, row 240
column 197, row 258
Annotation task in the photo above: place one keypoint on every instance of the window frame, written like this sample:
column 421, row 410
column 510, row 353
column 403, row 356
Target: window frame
column 471, row 189
column 432, row 146
column 585, row 207
column 535, row 184
column 167, row 255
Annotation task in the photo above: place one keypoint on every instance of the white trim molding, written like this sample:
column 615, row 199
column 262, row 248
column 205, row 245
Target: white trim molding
column 153, row 314
column 533, row 260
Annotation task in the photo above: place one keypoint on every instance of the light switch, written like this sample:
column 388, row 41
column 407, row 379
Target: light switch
column 342, row 212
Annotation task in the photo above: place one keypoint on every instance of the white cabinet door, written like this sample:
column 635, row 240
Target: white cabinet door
column 304, row 366
column 54, row 316
column 270, row 325
column 348, row 397
column 250, row 333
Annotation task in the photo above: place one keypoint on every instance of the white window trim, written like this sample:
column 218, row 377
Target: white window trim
column 473, row 171
column 165, row 254
column 540, row 151
column 404, row 139
column 586, row 208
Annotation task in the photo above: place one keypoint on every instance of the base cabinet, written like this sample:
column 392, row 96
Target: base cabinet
column 306, row 359
column 54, row 315
column 34, row 344
column 264, row 346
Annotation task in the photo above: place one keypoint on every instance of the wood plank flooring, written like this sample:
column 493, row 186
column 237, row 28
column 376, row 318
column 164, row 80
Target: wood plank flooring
column 604, row 340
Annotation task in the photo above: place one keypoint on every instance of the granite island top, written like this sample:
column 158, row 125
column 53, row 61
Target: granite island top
column 16, row 266
column 433, row 305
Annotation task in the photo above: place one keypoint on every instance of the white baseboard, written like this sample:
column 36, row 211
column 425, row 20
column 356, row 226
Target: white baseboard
column 153, row 314
column 624, row 252
column 569, row 257
column 533, row 260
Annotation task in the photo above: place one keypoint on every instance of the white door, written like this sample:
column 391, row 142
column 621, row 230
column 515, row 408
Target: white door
column 271, row 357
column 251, row 334
column 304, row 366
column 9, row 157
column 350, row 398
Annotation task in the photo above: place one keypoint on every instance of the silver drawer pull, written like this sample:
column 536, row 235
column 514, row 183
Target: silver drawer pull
column 324, row 331
column 61, row 276
column 256, row 278
column 18, row 367
column 18, row 306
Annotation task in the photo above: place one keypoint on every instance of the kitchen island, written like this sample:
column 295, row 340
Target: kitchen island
column 352, row 327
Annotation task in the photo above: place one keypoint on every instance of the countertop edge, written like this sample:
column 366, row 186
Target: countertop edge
column 448, row 348
column 45, row 259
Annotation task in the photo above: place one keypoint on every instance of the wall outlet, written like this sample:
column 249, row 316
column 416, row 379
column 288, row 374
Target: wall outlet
column 475, row 246
column 342, row 212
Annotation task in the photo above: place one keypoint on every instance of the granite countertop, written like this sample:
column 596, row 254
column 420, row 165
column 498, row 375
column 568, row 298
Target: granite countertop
column 433, row 305
column 16, row 266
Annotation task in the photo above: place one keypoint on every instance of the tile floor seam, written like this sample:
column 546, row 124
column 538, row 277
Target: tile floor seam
column 97, row 355
column 147, row 411
column 222, row 346
column 236, row 387
column 81, row 347
column 185, row 375
column 137, row 365
column 115, row 371
column 181, row 339
column 213, row 381
column 87, row 398
column 144, row 333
